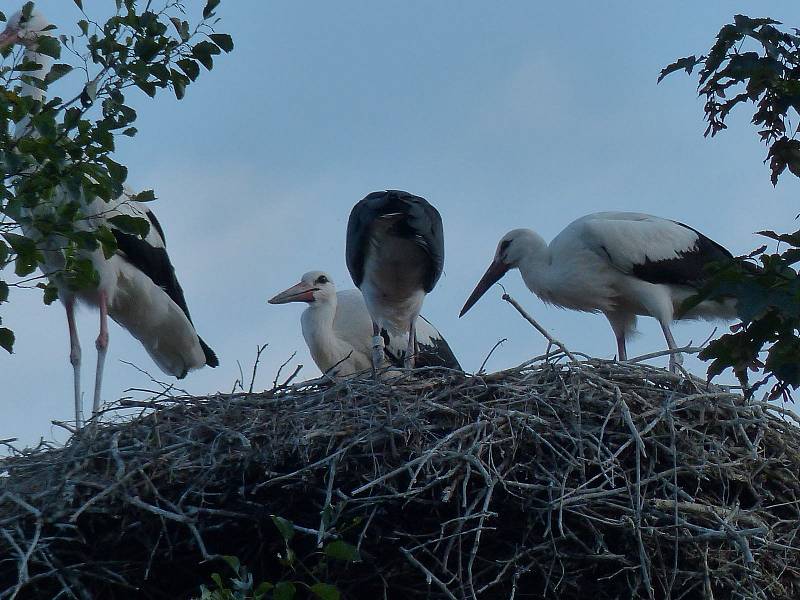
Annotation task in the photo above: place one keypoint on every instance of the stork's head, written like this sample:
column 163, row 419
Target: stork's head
column 512, row 249
column 314, row 287
column 25, row 27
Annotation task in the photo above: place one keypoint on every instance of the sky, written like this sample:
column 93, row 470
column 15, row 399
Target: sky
column 518, row 114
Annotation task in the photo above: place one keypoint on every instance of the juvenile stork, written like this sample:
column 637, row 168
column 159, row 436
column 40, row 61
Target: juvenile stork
column 622, row 264
column 338, row 329
column 137, row 286
column 395, row 255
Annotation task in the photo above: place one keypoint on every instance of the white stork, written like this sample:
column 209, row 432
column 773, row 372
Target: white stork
column 395, row 255
column 619, row 263
column 338, row 329
column 137, row 285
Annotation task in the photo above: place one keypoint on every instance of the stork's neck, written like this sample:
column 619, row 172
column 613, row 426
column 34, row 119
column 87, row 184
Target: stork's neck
column 536, row 267
column 317, row 323
column 31, row 91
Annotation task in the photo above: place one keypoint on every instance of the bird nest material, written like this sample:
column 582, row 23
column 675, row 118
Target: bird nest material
column 551, row 480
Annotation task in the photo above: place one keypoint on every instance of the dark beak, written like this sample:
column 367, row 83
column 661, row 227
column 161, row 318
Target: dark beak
column 493, row 274
column 302, row 292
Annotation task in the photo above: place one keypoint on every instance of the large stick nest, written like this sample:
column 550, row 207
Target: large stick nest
column 591, row 480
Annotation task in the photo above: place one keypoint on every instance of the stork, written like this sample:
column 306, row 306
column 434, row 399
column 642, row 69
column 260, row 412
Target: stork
column 395, row 255
column 337, row 328
column 622, row 264
column 137, row 285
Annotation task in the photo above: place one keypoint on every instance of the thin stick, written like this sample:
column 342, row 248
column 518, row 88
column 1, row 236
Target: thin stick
column 539, row 328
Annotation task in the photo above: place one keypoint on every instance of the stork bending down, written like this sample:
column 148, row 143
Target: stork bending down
column 619, row 263
column 395, row 255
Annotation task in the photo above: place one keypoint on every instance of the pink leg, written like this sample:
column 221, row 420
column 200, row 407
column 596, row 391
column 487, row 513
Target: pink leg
column 75, row 360
column 622, row 353
column 102, row 346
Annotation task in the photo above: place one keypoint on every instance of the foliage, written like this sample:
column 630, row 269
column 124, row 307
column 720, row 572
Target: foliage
column 754, row 61
column 240, row 585
column 65, row 159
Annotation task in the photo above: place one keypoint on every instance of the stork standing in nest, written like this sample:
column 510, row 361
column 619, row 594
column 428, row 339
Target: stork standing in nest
column 337, row 328
column 622, row 264
column 395, row 255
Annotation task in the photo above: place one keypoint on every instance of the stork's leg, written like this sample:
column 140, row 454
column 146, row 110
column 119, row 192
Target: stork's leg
column 377, row 348
column 676, row 358
column 411, row 349
column 102, row 346
column 622, row 323
column 75, row 360
column 622, row 353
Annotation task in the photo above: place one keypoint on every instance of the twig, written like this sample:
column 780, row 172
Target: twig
column 550, row 339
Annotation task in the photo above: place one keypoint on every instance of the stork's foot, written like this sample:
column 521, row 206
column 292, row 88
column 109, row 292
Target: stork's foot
column 675, row 362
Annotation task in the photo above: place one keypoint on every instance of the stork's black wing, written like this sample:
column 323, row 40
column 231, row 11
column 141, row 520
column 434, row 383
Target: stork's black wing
column 432, row 349
column 421, row 222
column 688, row 267
column 151, row 258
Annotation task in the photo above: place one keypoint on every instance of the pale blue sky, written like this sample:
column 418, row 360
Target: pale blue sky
column 515, row 114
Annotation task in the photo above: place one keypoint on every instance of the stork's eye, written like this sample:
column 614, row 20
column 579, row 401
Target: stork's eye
column 321, row 279
column 504, row 245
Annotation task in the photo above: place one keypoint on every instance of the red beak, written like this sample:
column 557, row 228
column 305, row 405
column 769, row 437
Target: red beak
column 8, row 37
column 302, row 292
column 493, row 274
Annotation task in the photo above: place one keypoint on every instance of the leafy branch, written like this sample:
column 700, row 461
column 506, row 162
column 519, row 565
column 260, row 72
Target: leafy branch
column 756, row 62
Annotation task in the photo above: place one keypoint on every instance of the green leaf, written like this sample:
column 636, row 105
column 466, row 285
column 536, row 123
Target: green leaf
column 57, row 71
column 262, row 589
column 49, row 46
column 128, row 224
column 284, row 526
column 284, row 590
column 3, row 291
column 71, row 118
column 117, row 171
column 209, row 9
column 6, row 339
column 146, row 48
column 233, row 563
column 189, row 67
column 325, row 591
column 107, row 241
column 203, row 52
column 687, row 64
column 50, row 293
column 223, row 40
column 144, row 196
column 342, row 551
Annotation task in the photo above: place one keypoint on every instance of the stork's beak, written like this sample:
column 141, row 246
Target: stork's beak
column 493, row 274
column 8, row 37
column 302, row 292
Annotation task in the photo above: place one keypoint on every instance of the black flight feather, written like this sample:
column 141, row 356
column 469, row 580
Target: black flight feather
column 419, row 221
column 154, row 262
column 688, row 268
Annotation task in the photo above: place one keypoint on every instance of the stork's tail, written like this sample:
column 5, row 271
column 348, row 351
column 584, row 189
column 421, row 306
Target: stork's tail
column 211, row 358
